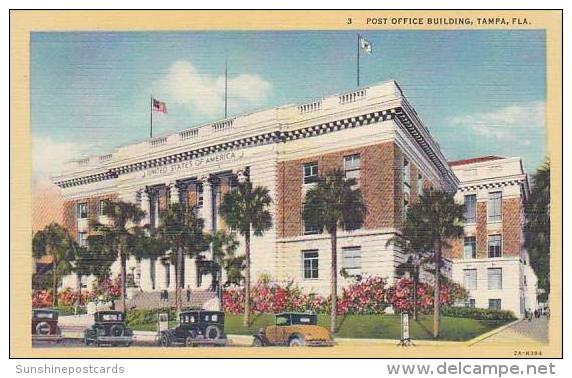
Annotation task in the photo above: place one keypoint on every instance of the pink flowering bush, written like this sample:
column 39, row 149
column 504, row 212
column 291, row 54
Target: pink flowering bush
column 366, row 296
column 269, row 297
column 362, row 297
column 108, row 288
column 41, row 298
column 400, row 295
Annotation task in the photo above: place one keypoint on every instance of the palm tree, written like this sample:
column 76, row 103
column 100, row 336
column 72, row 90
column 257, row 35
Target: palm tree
column 54, row 241
column 430, row 222
column 412, row 266
column 117, row 236
column 83, row 265
column 334, row 203
column 537, row 226
column 245, row 209
column 181, row 232
column 223, row 247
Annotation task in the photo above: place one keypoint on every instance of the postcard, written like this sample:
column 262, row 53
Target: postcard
column 255, row 184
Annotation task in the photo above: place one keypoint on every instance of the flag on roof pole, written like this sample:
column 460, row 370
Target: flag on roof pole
column 159, row 106
column 365, row 45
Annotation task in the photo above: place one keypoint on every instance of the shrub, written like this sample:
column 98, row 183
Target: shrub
column 365, row 296
column 477, row 313
column 400, row 295
column 140, row 316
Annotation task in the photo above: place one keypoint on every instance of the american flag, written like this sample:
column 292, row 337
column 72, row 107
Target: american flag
column 159, row 106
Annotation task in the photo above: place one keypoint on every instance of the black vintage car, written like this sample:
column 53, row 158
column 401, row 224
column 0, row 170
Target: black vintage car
column 108, row 329
column 197, row 327
column 45, row 325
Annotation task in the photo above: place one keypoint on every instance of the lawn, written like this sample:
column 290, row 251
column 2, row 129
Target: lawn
column 368, row 326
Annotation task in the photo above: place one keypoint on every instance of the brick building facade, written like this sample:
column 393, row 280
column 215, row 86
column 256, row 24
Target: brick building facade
column 373, row 134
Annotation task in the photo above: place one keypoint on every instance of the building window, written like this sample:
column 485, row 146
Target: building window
column 470, row 248
column 419, row 185
column 405, row 173
column 495, row 207
column 495, row 304
column 352, row 167
column 310, row 264
column 310, row 172
column 82, row 239
column 495, row 278
column 309, row 228
column 495, row 246
column 470, row 279
column 470, row 208
column 102, row 205
column 82, row 210
column 472, row 303
column 405, row 205
column 200, row 197
column 351, row 259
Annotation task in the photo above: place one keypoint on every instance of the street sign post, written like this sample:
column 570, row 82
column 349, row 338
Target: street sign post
column 405, row 336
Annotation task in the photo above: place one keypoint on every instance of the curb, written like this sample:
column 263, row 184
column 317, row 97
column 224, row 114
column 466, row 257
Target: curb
column 492, row 333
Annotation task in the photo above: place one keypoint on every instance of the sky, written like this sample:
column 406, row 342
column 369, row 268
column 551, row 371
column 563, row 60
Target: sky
column 478, row 92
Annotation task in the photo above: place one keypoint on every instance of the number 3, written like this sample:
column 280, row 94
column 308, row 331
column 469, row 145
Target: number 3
column 349, row 21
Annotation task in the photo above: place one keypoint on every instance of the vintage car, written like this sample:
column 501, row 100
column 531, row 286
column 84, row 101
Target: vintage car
column 196, row 327
column 294, row 329
column 45, row 325
column 108, row 329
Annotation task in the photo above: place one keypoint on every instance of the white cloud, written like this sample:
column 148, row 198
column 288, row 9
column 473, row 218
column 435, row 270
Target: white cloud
column 205, row 93
column 49, row 156
column 515, row 123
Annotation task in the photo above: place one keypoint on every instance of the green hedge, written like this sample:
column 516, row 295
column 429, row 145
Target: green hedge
column 477, row 313
column 138, row 317
column 70, row 310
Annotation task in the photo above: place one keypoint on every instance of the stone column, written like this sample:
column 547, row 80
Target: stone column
column 207, row 210
column 174, row 190
column 146, row 207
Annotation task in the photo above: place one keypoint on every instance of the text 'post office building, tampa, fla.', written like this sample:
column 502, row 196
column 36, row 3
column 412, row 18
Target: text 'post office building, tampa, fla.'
column 373, row 134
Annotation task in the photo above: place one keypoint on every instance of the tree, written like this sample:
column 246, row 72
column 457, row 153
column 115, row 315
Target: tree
column 223, row 247
column 332, row 204
column 181, row 232
column 430, row 222
column 83, row 265
column 54, row 241
column 537, row 226
column 412, row 266
column 245, row 210
column 118, row 237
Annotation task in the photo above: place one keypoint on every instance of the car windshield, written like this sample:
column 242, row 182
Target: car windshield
column 44, row 315
column 111, row 317
column 282, row 320
column 214, row 318
column 304, row 319
column 188, row 318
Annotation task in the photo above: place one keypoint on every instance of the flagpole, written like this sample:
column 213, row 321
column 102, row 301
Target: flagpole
column 151, row 118
column 357, row 55
column 225, row 88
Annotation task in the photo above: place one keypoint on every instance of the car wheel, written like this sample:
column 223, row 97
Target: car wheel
column 213, row 332
column 296, row 342
column 165, row 341
column 257, row 342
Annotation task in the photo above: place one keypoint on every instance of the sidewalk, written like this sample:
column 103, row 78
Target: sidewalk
column 518, row 333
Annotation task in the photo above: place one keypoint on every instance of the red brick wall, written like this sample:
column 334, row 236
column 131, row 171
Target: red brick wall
column 511, row 227
column 481, row 230
column 511, row 231
column 70, row 210
column 380, row 182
